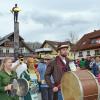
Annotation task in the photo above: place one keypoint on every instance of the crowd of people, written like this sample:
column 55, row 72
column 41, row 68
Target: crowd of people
column 90, row 63
column 43, row 75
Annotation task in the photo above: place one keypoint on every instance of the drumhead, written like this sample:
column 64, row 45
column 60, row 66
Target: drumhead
column 70, row 87
column 79, row 85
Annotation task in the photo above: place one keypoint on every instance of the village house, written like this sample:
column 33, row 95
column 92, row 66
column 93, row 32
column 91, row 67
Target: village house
column 7, row 46
column 50, row 47
column 88, row 45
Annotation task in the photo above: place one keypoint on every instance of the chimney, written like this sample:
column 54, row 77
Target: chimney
column 95, row 30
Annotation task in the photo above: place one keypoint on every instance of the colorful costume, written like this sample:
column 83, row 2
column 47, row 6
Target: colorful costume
column 33, row 81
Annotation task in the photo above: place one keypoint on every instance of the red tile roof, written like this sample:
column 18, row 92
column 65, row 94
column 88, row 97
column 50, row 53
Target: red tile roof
column 85, row 42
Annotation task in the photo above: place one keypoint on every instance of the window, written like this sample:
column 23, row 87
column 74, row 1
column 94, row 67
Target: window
column 7, row 50
column 93, row 41
column 97, row 52
column 1, row 50
column 88, row 53
column 21, row 50
column 80, row 54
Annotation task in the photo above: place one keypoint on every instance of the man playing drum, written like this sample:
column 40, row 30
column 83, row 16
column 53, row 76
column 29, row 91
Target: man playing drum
column 57, row 68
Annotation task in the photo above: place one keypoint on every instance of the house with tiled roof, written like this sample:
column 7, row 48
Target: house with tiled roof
column 88, row 45
column 50, row 47
column 7, row 46
column 53, row 45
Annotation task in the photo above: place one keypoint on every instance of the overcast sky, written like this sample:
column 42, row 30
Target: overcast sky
column 51, row 19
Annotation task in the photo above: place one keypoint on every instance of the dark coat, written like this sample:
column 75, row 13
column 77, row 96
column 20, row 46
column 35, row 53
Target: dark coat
column 56, row 68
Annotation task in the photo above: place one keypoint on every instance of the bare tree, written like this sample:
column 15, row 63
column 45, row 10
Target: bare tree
column 72, row 37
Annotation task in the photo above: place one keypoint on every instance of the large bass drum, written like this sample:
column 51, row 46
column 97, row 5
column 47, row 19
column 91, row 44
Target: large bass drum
column 80, row 85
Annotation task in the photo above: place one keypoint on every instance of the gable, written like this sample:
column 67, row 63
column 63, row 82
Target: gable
column 8, row 41
column 53, row 44
column 46, row 45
